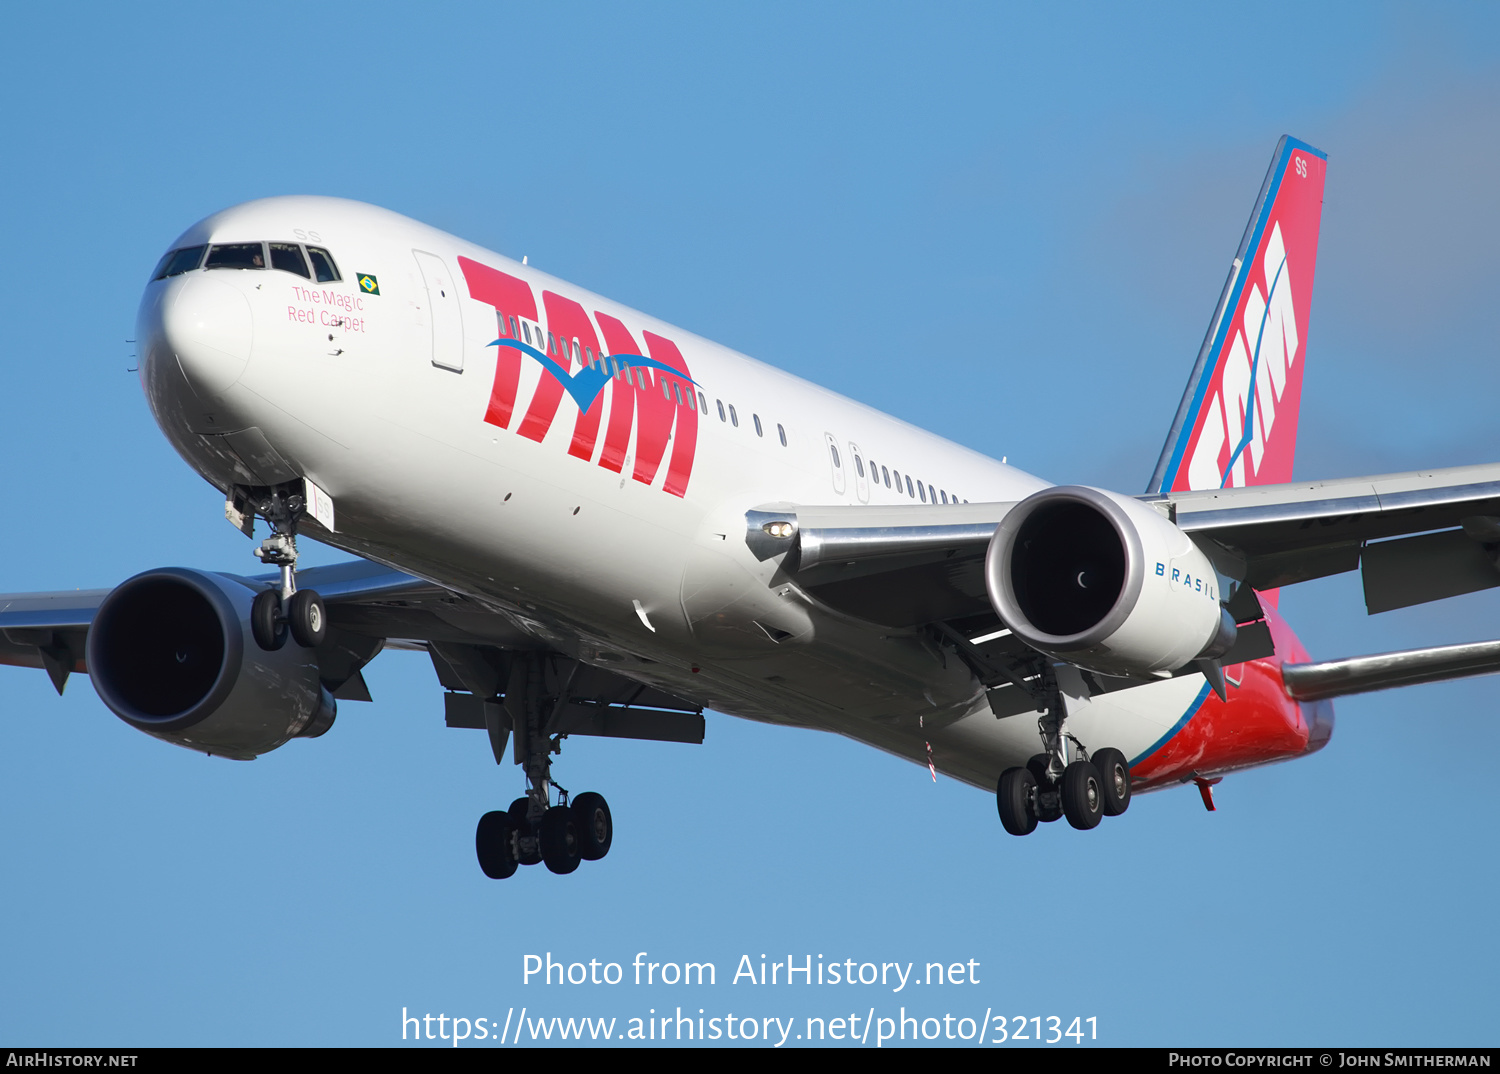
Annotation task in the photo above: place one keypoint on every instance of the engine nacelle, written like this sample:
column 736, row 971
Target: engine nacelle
column 170, row 652
column 1105, row 582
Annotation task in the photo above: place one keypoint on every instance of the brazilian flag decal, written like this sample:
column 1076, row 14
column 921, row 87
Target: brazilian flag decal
column 368, row 284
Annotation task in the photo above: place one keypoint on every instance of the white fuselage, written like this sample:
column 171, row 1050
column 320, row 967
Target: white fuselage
column 259, row 375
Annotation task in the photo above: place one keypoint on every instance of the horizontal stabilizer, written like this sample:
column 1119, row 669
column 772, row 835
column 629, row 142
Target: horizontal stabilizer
column 1361, row 674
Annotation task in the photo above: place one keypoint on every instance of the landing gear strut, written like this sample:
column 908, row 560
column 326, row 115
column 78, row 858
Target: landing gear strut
column 1064, row 780
column 275, row 613
column 536, row 829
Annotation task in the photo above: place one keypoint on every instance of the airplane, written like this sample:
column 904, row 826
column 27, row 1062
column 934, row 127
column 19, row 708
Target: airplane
column 596, row 523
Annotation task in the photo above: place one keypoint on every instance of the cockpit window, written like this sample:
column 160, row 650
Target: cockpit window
column 176, row 262
column 288, row 257
column 240, row 255
column 323, row 267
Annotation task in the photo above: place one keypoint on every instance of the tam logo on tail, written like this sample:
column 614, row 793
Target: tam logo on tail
column 1237, row 423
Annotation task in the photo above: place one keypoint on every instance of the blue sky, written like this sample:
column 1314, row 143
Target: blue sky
column 1041, row 201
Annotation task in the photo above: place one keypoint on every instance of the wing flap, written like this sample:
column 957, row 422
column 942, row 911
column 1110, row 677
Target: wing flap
column 1428, row 567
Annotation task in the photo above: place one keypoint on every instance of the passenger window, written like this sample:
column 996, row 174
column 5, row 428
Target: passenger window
column 721, row 408
column 757, row 425
column 923, row 490
column 834, row 451
column 782, row 433
column 859, row 464
column 241, row 255
column 898, row 479
column 886, row 474
column 666, row 393
column 945, row 494
column 513, row 328
column 288, row 257
column 588, row 353
column 176, row 262
column 909, row 490
column 551, row 343
column 734, row 419
column 703, row 403
column 324, row 270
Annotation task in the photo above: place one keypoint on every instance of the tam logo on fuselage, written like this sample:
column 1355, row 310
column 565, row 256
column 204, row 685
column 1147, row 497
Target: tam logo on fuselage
column 647, row 392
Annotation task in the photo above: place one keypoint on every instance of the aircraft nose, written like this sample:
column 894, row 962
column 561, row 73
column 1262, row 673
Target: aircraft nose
column 207, row 324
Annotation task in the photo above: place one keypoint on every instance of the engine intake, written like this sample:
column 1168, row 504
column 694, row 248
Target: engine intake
column 1104, row 581
column 168, row 654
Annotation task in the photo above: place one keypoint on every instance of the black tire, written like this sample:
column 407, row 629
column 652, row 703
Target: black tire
column 559, row 839
column 1114, row 771
column 1048, row 803
column 522, row 827
column 1083, row 795
column 266, row 623
column 1038, row 768
column 1015, row 796
column 492, row 844
column 594, row 825
column 307, row 618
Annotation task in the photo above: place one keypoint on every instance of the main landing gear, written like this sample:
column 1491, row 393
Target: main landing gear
column 1085, row 789
column 285, row 610
column 535, row 829
column 561, row 836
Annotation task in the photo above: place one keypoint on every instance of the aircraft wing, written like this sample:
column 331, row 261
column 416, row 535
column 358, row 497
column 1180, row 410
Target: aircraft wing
column 366, row 603
column 1290, row 533
column 1418, row 536
column 370, row 608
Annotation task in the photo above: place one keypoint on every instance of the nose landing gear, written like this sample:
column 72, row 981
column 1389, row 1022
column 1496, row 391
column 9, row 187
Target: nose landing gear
column 275, row 613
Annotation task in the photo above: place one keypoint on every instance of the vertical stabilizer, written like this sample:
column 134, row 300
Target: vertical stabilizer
column 1237, row 422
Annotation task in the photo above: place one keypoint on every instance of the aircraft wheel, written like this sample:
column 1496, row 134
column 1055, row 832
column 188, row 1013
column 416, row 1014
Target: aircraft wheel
column 1048, row 804
column 522, row 827
column 492, row 844
column 1082, row 795
column 1038, row 768
column 559, row 839
column 1014, row 797
column 307, row 618
column 594, row 825
column 266, row 624
column 1114, row 771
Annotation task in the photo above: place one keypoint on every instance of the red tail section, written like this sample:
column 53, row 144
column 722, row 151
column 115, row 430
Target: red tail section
column 1237, row 423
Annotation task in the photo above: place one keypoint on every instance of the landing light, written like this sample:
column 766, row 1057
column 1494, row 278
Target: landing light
column 780, row 529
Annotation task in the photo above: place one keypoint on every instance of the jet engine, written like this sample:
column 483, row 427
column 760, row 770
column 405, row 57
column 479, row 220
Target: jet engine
column 1105, row 582
column 170, row 652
